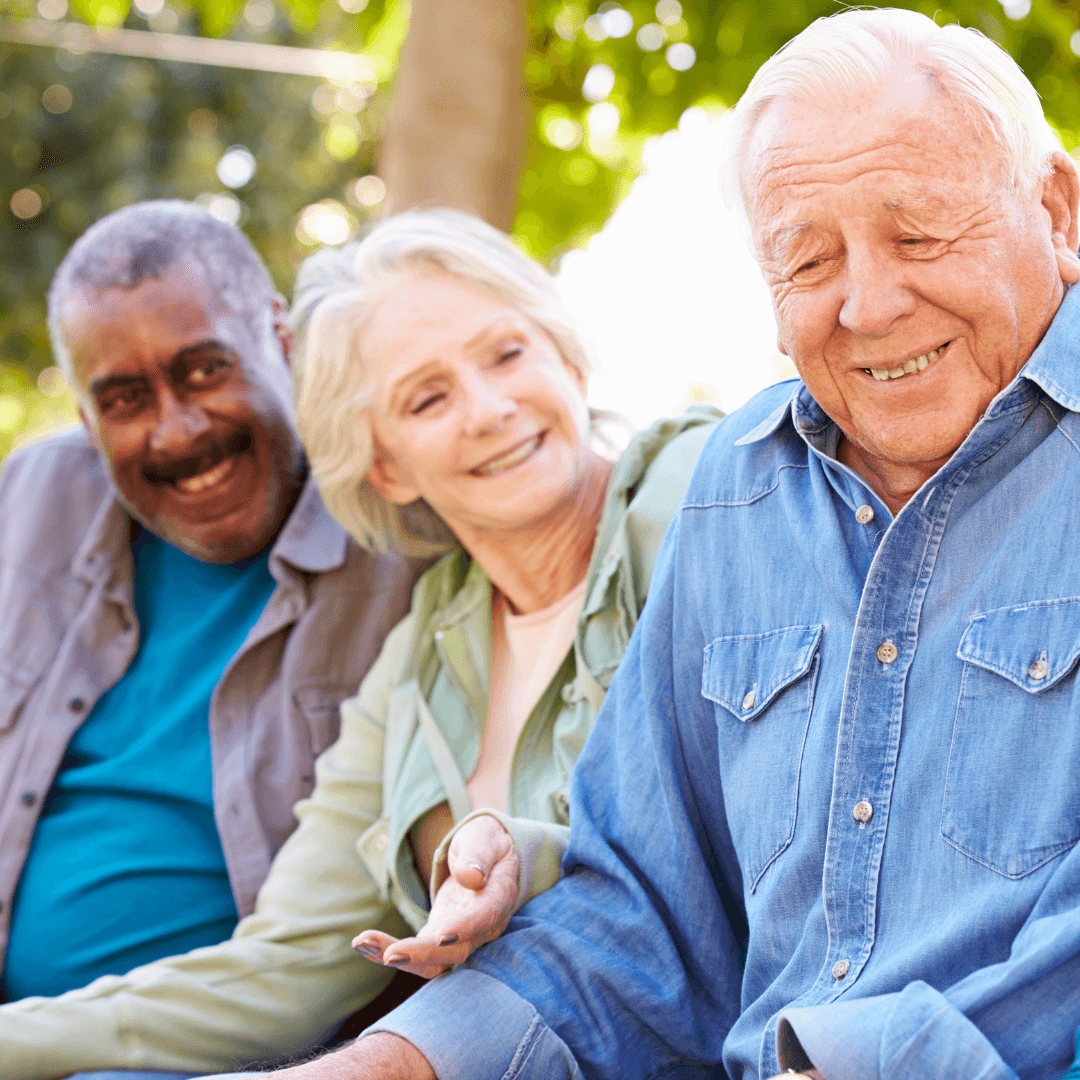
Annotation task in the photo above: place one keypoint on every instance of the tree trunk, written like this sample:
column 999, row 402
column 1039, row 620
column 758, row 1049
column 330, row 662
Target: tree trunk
column 455, row 135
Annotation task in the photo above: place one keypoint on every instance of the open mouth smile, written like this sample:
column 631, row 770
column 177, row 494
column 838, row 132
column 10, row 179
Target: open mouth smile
column 195, row 475
column 509, row 460
column 911, row 367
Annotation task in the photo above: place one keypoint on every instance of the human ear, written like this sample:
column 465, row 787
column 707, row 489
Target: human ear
column 282, row 330
column 387, row 479
column 1061, row 203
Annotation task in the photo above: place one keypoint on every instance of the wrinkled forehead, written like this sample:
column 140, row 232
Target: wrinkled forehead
column 906, row 146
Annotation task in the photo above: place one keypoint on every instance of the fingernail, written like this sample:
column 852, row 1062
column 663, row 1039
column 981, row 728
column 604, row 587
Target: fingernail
column 483, row 870
column 368, row 950
column 448, row 939
column 398, row 961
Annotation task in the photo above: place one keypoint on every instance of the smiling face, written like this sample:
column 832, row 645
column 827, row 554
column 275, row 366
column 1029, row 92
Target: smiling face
column 475, row 410
column 909, row 284
column 190, row 413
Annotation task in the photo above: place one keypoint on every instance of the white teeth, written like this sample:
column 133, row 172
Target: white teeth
column 509, row 460
column 194, row 484
column 920, row 363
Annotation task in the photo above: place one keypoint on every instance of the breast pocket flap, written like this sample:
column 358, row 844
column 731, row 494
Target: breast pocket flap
column 1033, row 645
column 745, row 672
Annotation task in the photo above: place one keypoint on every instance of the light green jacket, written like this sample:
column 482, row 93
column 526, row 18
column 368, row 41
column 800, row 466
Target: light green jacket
column 288, row 976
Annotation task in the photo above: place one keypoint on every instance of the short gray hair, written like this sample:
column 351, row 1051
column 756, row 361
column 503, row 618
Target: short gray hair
column 337, row 291
column 144, row 241
column 844, row 55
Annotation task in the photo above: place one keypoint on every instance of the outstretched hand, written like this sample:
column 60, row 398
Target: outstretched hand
column 472, row 907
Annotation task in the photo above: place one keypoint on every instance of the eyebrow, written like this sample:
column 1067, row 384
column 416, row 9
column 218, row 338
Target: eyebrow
column 406, row 382
column 107, row 383
column 785, row 235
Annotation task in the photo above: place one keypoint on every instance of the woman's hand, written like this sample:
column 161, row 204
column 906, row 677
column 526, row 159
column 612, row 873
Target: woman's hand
column 472, row 907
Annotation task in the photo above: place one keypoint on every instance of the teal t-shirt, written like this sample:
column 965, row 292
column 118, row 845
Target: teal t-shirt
column 125, row 865
column 1074, row 1072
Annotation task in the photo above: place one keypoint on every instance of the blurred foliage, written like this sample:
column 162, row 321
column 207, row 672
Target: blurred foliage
column 576, row 173
column 84, row 134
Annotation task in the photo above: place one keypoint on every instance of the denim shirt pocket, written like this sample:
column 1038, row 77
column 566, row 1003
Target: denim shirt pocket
column 762, row 687
column 1012, row 792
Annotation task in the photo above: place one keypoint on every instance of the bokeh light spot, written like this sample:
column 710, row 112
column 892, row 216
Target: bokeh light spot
column 616, row 21
column 53, row 10
column 603, row 120
column 668, row 11
column 1017, row 9
column 563, row 133
column 12, row 413
column 367, row 191
column 259, row 14
column 352, row 7
column 326, row 222
column 57, row 99
column 149, row 7
column 236, row 166
column 594, row 28
column 223, row 205
column 599, row 82
column 342, row 139
column 680, row 56
column 26, row 204
column 651, row 37
column 51, row 382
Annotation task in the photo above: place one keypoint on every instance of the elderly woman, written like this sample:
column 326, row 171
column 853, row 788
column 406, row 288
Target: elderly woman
column 441, row 398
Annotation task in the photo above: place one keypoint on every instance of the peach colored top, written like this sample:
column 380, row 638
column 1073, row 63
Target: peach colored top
column 526, row 652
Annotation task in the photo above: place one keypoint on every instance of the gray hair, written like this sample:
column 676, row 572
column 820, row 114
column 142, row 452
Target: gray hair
column 844, row 55
column 144, row 241
column 337, row 291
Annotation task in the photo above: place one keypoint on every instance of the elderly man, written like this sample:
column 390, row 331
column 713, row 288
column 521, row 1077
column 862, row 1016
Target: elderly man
column 179, row 618
column 829, row 817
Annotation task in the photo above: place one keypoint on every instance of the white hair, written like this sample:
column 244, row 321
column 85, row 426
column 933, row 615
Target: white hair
column 337, row 291
column 145, row 240
column 843, row 56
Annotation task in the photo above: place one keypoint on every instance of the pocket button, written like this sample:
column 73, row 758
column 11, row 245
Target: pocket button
column 886, row 652
column 1039, row 670
column 749, row 701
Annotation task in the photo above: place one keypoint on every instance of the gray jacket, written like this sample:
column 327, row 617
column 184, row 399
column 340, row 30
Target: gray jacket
column 68, row 631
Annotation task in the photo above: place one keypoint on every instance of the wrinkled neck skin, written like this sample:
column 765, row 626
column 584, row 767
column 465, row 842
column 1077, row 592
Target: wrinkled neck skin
column 537, row 565
column 894, row 483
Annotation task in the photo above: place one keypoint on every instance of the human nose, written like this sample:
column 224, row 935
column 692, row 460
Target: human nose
column 178, row 425
column 487, row 409
column 874, row 296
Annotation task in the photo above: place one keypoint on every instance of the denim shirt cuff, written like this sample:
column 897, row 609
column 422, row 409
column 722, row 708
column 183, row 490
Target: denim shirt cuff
column 905, row 1036
column 473, row 1027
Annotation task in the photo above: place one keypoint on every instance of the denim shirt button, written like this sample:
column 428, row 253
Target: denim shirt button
column 862, row 811
column 886, row 652
column 749, row 701
column 1039, row 670
column 840, row 969
column 864, row 515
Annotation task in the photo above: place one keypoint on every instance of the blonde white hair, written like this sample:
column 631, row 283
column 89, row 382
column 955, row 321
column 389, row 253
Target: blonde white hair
column 848, row 54
column 337, row 291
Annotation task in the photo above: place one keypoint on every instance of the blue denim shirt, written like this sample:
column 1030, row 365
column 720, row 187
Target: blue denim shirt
column 848, row 746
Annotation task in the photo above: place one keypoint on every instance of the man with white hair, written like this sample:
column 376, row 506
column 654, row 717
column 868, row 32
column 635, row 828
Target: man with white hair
column 179, row 618
column 828, row 818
